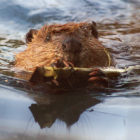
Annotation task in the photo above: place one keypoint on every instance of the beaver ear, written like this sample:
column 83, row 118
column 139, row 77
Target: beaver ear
column 94, row 30
column 30, row 34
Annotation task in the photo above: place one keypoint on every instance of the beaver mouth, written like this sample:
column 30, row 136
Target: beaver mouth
column 61, row 63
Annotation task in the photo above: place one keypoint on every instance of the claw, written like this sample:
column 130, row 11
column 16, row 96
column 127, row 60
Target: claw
column 55, row 82
column 97, row 78
column 93, row 79
column 62, row 63
column 96, row 72
column 68, row 64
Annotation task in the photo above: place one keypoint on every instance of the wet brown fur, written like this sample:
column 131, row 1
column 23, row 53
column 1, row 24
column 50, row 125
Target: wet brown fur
column 45, row 46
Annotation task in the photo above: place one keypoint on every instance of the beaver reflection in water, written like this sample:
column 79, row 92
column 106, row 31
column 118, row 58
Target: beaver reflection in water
column 71, row 44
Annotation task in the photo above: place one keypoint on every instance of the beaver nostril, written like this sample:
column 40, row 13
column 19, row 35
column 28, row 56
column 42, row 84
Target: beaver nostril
column 71, row 45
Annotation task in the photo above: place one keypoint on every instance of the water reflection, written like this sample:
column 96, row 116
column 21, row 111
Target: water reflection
column 73, row 117
column 66, row 108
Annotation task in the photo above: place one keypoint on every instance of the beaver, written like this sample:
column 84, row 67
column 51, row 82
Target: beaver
column 70, row 44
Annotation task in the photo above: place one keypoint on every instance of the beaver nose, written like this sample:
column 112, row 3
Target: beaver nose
column 71, row 45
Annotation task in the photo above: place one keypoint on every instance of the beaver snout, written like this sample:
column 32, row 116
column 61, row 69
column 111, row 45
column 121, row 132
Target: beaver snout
column 71, row 45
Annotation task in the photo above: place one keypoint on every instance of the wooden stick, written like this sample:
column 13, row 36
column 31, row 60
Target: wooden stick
column 67, row 73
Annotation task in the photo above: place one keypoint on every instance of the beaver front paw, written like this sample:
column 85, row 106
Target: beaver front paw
column 97, row 79
column 60, row 64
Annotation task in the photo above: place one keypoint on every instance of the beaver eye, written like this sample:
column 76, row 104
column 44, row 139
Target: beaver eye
column 48, row 38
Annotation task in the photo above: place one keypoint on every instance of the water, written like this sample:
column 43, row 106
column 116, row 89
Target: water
column 29, row 114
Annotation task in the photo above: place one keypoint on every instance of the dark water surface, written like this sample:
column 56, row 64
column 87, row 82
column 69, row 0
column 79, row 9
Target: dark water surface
column 111, row 114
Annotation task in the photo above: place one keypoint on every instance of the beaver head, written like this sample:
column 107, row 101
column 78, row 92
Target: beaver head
column 73, row 42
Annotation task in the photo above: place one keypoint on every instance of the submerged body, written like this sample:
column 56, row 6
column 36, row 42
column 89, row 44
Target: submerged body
column 73, row 44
